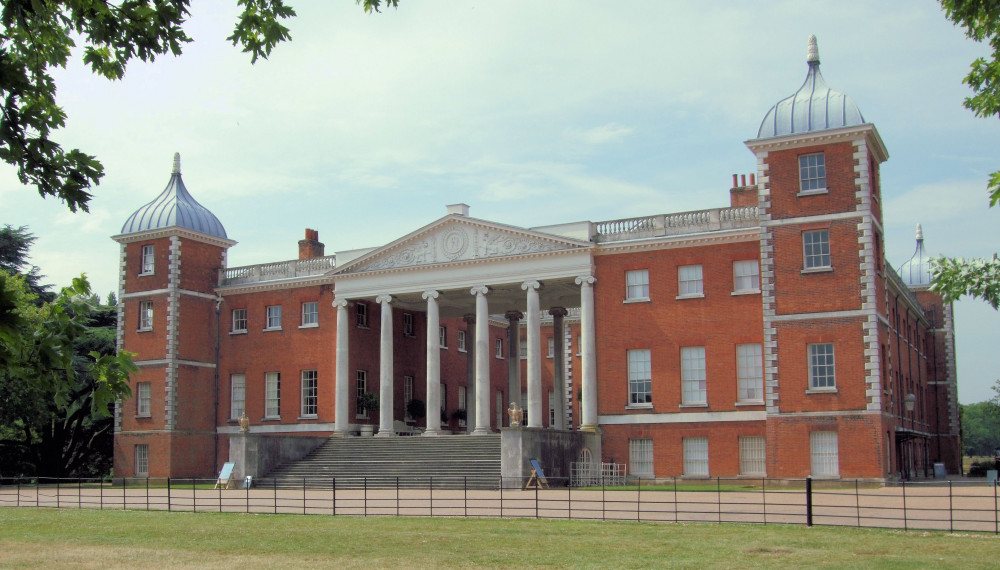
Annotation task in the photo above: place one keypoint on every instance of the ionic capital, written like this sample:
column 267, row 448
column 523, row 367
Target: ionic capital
column 480, row 290
column 585, row 280
column 430, row 294
column 531, row 285
column 469, row 317
column 339, row 303
column 514, row 316
column 558, row 311
column 383, row 299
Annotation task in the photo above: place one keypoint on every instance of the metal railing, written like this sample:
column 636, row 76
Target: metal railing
column 940, row 505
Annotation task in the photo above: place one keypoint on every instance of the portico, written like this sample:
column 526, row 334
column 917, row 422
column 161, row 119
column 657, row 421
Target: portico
column 460, row 266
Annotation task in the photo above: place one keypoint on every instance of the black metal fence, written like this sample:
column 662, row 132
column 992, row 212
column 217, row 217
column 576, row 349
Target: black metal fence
column 937, row 505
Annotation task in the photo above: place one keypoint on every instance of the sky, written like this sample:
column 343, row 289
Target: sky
column 365, row 126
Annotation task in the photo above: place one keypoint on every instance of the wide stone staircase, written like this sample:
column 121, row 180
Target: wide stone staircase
column 443, row 462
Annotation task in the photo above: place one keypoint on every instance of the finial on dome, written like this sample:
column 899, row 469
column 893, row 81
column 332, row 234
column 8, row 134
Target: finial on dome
column 920, row 233
column 177, row 163
column 812, row 51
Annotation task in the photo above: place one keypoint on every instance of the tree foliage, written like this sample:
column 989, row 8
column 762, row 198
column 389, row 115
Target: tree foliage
column 37, row 36
column 980, row 278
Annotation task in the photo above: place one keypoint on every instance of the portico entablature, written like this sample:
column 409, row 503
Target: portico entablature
column 456, row 253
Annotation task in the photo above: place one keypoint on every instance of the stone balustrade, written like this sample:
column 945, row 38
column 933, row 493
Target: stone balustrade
column 280, row 270
column 676, row 224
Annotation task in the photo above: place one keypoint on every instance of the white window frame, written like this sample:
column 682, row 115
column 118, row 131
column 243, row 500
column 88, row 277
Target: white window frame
column 552, row 408
column 272, row 395
column 816, row 250
column 753, row 455
column 142, row 460
column 523, row 348
column 310, row 314
column 750, row 373
column 694, row 385
column 812, row 173
column 239, row 320
column 145, row 315
column 310, row 394
column 408, row 324
column 407, row 396
column 462, row 404
column 640, row 457
column 461, row 341
column 238, row 395
column 144, row 395
column 746, row 276
column 361, row 314
column 273, row 318
column 640, row 378
column 498, row 348
column 360, row 389
column 550, row 346
column 824, row 454
column 695, row 456
column 148, row 263
column 443, row 336
column 690, row 283
column 822, row 367
column 636, row 285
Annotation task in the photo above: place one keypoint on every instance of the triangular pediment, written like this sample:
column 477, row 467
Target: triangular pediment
column 456, row 238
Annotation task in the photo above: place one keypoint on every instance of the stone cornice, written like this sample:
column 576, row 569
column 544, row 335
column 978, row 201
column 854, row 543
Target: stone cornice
column 449, row 264
column 692, row 240
column 845, row 134
column 174, row 231
column 313, row 281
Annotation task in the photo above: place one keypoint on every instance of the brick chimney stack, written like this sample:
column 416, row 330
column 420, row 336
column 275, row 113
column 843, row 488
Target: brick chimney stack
column 743, row 194
column 311, row 247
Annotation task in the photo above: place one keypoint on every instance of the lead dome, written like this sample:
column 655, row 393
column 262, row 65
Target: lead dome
column 174, row 207
column 814, row 107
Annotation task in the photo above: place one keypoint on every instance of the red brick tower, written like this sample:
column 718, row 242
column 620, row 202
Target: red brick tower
column 823, row 284
column 172, row 250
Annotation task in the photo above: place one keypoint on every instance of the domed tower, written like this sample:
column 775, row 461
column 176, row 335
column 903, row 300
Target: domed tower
column 172, row 250
column 822, row 282
column 942, row 385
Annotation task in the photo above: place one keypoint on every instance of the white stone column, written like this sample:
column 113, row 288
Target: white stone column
column 433, row 416
column 559, row 366
column 342, row 386
column 534, row 355
column 385, row 387
column 588, row 411
column 514, row 356
column 470, row 373
column 482, row 361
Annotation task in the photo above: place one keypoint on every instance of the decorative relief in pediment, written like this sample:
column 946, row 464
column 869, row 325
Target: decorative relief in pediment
column 459, row 242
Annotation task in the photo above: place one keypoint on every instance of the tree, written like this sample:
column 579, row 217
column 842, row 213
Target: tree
column 955, row 277
column 59, row 378
column 14, row 246
column 38, row 35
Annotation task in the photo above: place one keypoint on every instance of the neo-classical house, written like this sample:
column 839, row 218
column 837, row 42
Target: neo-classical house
column 766, row 338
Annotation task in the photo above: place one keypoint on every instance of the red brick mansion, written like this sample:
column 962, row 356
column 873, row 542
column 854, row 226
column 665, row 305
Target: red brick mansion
column 766, row 338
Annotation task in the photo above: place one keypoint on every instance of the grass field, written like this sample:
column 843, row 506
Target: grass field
column 37, row 538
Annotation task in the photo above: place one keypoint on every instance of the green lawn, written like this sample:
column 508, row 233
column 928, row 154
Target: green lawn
column 37, row 538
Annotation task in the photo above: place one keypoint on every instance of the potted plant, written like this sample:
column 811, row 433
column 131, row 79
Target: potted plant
column 458, row 418
column 445, row 428
column 416, row 409
column 368, row 402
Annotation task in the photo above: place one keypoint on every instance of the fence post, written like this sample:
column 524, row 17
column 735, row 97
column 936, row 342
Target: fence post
column 364, row 496
column 57, row 493
column 430, row 489
column 675, row 499
column 274, row 493
column 303, row 495
column 809, row 501
column 397, row 495
column 569, row 499
column 194, row 496
column 247, row 488
column 124, row 493
column 19, row 491
column 905, row 522
column 536, row 499
column 951, row 511
column 718, row 496
column 763, row 498
column 38, row 490
column 101, row 487
column 857, row 502
column 333, row 482
column 147, row 493
column 638, row 499
column 604, row 500
column 169, row 506
column 79, row 493
column 220, row 493
column 996, row 527
column 465, row 496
